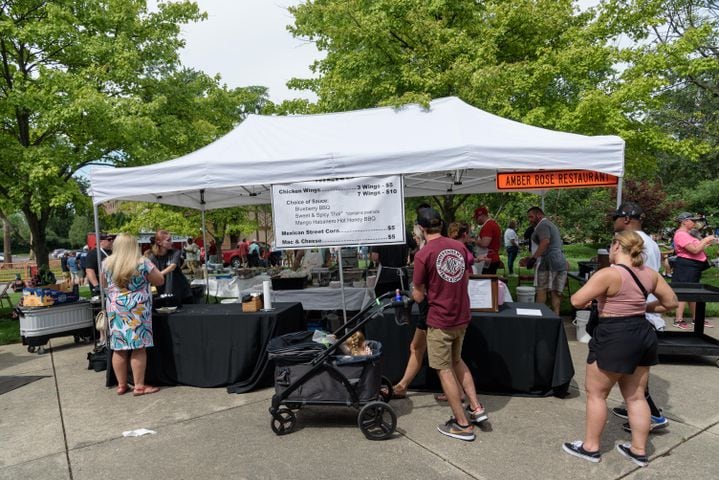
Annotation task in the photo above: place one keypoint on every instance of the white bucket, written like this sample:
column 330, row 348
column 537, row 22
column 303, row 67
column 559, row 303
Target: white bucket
column 580, row 322
column 525, row 294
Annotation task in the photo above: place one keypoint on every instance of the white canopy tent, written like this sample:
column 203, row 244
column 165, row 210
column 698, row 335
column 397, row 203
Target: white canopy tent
column 449, row 147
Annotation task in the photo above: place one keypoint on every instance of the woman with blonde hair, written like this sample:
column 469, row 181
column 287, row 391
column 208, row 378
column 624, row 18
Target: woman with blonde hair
column 623, row 345
column 127, row 279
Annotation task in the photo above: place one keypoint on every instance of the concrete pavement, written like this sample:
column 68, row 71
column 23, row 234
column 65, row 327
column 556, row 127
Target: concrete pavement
column 67, row 425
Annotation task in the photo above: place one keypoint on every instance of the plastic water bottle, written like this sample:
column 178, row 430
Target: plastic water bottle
column 397, row 296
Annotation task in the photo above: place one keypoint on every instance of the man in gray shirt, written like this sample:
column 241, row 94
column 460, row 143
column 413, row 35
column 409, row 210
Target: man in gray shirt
column 551, row 271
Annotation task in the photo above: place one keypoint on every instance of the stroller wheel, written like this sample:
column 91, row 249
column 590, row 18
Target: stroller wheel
column 377, row 420
column 283, row 421
column 385, row 390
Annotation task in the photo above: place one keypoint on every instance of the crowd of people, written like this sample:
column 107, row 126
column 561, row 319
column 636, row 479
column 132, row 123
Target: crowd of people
column 631, row 295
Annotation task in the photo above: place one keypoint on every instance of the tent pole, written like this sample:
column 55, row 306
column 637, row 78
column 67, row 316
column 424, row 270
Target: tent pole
column 204, row 244
column 342, row 284
column 96, row 217
column 620, row 184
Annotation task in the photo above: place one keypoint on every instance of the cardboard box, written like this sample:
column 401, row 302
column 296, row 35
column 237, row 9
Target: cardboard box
column 47, row 295
column 254, row 305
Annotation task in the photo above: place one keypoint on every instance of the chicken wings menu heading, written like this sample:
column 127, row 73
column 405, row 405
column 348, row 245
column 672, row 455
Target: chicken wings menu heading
column 328, row 213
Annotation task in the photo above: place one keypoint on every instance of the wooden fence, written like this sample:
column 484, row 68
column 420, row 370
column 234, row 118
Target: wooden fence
column 8, row 271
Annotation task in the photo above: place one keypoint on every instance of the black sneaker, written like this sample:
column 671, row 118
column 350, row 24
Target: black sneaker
column 621, row 412
column 452, row 429
column 575, row 448
column 658, row 423
column 626, row 451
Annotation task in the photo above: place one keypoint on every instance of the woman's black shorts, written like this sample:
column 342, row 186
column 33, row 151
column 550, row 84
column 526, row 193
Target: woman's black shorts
column 687, row 270
column 621, row 344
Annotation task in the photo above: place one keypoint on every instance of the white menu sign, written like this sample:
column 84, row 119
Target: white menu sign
column 328, row 213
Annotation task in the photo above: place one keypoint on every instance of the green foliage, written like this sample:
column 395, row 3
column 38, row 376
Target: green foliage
column 98, row 81
column 20, row 233
column 702, row 197
column 659, row 208
column 150, row 217
column 133, row 217
column 541, row 62
column 81, row 226
column 672, row 80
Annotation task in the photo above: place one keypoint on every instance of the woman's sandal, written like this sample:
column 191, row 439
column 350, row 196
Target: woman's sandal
column 398, row 393
column 122, row 389
column 146, row 390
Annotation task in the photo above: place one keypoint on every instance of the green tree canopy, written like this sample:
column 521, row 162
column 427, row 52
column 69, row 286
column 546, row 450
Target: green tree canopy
column 98, row 81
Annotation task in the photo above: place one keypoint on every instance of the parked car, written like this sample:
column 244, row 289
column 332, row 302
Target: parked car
column 232, row 257
column 58, row 252
column 2, row 258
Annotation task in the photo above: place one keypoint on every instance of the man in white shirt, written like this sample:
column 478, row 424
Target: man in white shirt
column 511, row 244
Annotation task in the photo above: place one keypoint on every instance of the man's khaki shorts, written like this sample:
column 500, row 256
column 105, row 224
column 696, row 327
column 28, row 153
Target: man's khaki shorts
column 549, row 280
column 444, row 346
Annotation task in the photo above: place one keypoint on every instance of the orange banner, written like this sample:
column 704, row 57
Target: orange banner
column 544, row 179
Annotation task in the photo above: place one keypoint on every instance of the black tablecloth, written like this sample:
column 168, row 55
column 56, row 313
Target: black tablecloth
column 507, row 353
column 214, row 345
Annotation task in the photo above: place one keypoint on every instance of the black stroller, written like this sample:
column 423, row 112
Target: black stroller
column 312, row 373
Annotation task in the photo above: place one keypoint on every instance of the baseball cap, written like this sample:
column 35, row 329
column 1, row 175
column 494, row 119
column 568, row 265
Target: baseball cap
column 686, row 216
column 629, row 209
column 429, row 218
column 479, row 211
column 107, row 236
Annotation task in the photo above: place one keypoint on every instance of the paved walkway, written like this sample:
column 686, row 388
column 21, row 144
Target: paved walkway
column 67, row 425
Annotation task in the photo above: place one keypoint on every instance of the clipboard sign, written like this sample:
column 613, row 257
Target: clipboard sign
column 483, row 293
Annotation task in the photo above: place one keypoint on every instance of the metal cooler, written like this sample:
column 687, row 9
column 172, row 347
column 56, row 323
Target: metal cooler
column 40, row 324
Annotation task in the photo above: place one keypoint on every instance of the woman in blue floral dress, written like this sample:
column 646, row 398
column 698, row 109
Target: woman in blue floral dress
column 127, row 279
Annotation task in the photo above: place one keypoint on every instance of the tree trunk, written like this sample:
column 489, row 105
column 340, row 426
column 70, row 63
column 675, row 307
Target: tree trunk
column 7, row 245
column 234, row 240
column 448, row 206
column 38, row 235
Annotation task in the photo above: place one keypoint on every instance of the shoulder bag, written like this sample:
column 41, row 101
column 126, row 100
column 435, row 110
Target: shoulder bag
column 593, row 318
column 636, row 280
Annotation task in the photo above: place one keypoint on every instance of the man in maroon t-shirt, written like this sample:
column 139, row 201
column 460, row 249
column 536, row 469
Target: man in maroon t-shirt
column 489, row 237
column 441, row 273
